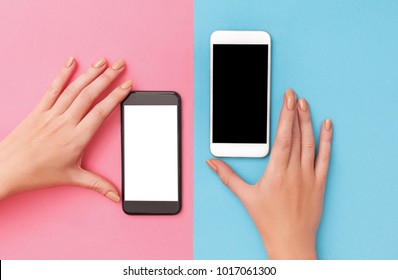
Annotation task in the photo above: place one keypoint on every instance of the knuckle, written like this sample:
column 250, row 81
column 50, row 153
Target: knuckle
column 287, row 117
column 327, row 139
column 80, row 83
column 284, row 142
column 99, row 111
column 309, row 144
column 97, row 186
column 86, row 96
column 112, row 98
column 229, row 182
column 62, row 119
column 53, row 90
column 225, row 180
column 320, row 185
column 296, row 137
column 70, row 90
column 107, row 77
column 325, row 156
column 92, row 71
column 76, row 86
column 306, row 120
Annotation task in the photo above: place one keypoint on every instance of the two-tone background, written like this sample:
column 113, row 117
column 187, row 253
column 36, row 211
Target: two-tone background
column 342, row 56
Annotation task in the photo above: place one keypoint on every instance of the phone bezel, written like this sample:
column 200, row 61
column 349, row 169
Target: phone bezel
column 240, row 149
column 153, row 207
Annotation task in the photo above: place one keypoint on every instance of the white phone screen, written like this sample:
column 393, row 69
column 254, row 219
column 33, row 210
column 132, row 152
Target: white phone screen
column 150, row 153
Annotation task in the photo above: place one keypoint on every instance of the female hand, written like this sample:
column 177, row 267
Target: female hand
column 46, row 148
column 286, row 203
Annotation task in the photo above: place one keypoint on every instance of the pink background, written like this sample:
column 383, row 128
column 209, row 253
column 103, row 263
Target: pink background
column 156, row 40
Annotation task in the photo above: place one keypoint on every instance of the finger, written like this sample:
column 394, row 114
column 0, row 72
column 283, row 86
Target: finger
column 322, row 160
column 229, row 178
column 87, row 96
column 73, row 90
column 295, row 153
column 307, row 135
column 87, row 179
column 57, row 85
column 93, row 120
column 283, row 140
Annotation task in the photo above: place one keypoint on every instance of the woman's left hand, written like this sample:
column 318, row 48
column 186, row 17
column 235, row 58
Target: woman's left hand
column 46, row 149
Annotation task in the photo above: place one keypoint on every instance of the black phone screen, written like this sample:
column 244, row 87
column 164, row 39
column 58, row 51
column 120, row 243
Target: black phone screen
column 240, row 82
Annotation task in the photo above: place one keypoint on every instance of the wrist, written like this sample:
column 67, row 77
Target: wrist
column 291, row 250
column 5, row 186
column 3, row 189
column 2, row 193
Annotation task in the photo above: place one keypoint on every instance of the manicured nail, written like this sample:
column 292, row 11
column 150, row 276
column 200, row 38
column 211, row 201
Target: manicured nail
column 211, row 165
column 112, row 196
column 118, row 64
column 303, row 104
column 328, row 124
column 291, row 99
column 69, row 62
column 100, row 62
column 127, row 84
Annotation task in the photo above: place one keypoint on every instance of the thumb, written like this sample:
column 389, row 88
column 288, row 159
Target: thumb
column 229, row 178
column 96, row 183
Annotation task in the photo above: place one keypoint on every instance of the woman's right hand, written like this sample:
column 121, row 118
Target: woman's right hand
column 286, row 203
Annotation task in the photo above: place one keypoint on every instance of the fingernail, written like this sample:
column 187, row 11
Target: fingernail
column 127, row 84
column 211, row 165
column 328, row 124
column 69, row 62
column 118, row 64
column 112, row 196
column 303, row 104
column 291, row 99
column 100, row 62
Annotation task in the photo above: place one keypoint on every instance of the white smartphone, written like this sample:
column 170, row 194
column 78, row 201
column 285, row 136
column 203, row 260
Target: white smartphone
column 240, row 64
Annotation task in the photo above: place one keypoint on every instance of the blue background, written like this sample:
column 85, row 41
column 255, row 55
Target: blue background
column 342, row 56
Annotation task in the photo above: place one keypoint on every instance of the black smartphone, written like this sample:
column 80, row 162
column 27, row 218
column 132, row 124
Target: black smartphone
column 151, row 153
